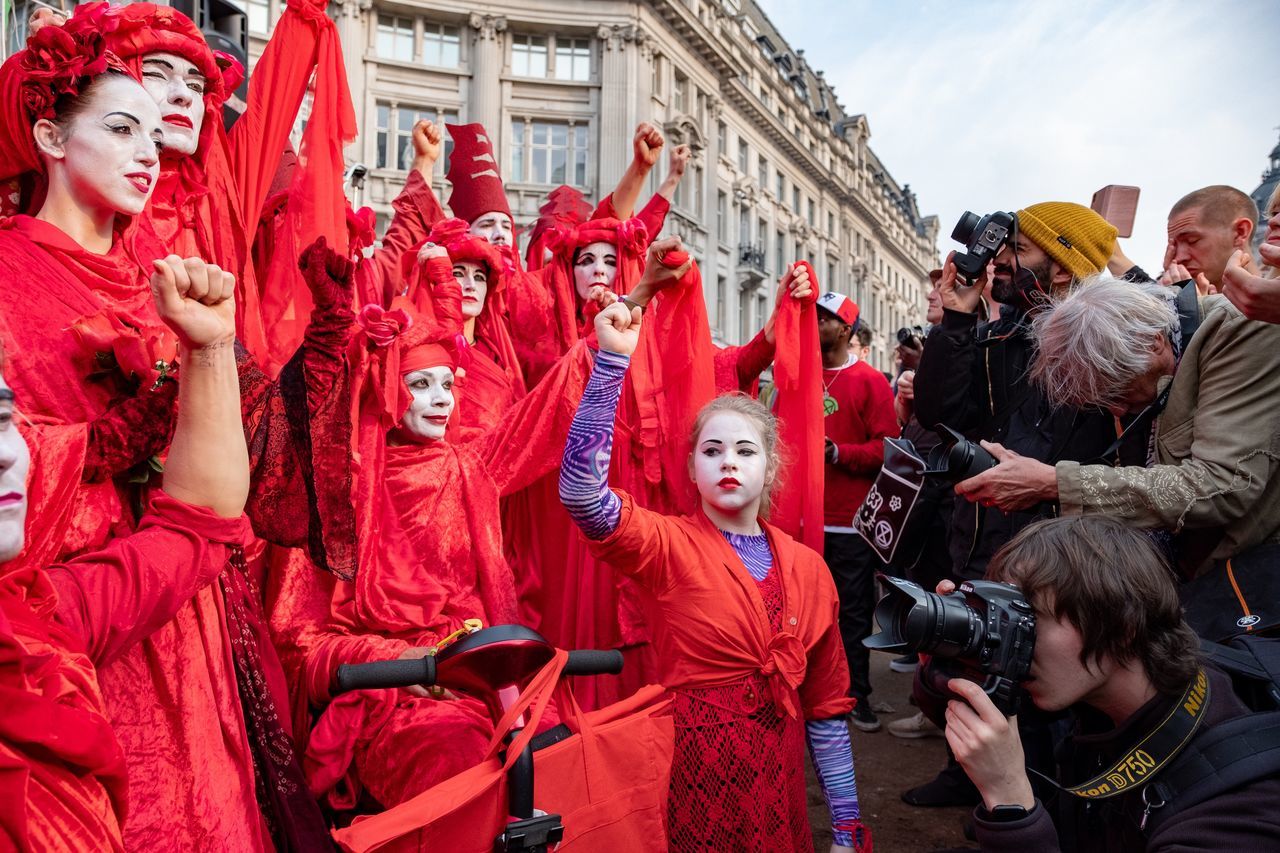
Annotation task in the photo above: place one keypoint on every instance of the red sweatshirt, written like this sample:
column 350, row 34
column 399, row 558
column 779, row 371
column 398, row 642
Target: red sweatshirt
column 862, row 418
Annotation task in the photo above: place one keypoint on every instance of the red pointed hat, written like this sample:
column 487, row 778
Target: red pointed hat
column 474, row 173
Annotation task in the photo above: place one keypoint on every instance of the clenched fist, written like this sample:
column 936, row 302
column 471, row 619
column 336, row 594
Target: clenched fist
column 646, row 145
column 618, row 328
column 196, row 300
column 428, row 142
column 679, row 160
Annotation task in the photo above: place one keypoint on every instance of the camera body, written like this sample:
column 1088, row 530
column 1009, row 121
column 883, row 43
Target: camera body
column 957, row 458
column 982, row 237
column 911, row 336
column 984, row 632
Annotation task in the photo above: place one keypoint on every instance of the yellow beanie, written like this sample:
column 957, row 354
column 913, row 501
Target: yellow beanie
column 1072, row 234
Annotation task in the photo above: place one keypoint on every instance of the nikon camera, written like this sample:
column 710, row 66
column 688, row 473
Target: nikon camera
column 984, row 631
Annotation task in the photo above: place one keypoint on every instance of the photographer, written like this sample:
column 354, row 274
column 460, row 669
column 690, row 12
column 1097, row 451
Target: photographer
column 973, row 378
column 1111, row 646
column 1212, row 395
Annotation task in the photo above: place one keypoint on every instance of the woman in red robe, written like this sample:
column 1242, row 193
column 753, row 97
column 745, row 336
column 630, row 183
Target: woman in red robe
column 195, row 710
column 744, row 621
column 62, row 771
column 213, row 182
column 431, row 548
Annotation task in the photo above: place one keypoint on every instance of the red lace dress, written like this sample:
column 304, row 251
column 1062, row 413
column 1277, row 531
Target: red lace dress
column 737, row 780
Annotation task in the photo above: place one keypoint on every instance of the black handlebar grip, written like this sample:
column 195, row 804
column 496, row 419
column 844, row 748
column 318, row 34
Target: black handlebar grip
column 592, row 662
column 385, row 673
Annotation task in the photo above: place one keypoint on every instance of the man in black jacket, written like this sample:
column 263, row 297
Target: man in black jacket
column 1111, row 646
column 973, row 377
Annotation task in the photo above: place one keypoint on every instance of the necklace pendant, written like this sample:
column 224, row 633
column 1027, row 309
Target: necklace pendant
column 829, row 404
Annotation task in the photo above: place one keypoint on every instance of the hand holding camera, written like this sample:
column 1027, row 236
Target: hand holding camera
column 1014, row 483
column 956, row 296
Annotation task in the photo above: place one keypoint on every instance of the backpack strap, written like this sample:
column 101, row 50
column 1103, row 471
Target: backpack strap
column 1227, row 756
column 1188, row 304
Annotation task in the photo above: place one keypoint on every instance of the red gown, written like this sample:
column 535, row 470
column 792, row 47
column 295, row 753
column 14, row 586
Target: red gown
column 748, row 662
column 437, row 561
column 177, row 700
column 62, row 772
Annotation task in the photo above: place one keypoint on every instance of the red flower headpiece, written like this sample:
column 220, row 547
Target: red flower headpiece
column 361, row 229
column 63, row 60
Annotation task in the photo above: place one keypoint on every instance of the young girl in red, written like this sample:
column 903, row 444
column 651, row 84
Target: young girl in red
column 744, row 621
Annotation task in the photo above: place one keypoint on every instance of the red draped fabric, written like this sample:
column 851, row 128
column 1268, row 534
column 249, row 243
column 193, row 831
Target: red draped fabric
column 797, row 375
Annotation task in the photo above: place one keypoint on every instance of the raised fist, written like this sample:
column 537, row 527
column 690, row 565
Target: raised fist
column 43, row 17
column 657, row 274
column 196, row 300
column 646, row 145
column 327, row 274
column 618, row 328
column 680, row 157
column 796, row 283
column 428, row 141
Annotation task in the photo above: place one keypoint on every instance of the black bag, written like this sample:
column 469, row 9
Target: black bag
column 1234, row 753
column 1239, row 596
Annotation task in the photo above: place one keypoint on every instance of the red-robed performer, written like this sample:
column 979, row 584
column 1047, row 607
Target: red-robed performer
column 213, row 183
column 62, row 771
column 493, row 382
column 744, row 621
column 196, row 711
column 431, row 548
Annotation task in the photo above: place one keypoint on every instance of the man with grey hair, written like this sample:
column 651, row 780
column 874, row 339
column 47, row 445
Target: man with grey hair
column 1211, row 403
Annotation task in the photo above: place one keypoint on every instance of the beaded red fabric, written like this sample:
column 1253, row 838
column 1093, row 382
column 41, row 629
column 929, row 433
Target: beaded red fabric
column 737, row 781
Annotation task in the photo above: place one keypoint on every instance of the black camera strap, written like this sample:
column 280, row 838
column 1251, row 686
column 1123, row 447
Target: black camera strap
column 1155, row 751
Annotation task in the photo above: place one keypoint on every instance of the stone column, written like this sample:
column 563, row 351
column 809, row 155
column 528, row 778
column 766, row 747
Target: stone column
column 617, row 112
column 485, row 102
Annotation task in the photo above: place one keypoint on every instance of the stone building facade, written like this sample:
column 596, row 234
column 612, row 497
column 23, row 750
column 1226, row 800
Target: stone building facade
column 781, row 170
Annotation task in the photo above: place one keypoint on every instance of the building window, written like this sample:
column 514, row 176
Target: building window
column 529, row 56
column 744, row 225
column 259, row 14
column 744, row 156
column 689, row 192
column 722, row 304
column 548, row 152
column 831, row 225
column 795, row 200
column 763, row 165
column 722, row 138
column 573, row 59
column 440, row 45
column 831, row 283
column 395, row 38
column 722, row 216
column 762, row 310
column 779, row 252
column 782, row 186
column 655, row 82
column 680, row 94
column 744, row 316
column 395, row 134
column 813, row 214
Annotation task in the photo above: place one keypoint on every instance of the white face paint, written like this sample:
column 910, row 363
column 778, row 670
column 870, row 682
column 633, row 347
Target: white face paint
column 474, row 281
column 178, row 89
column 428, row 415
column 15, row 460
column 109, row 153
column 596, row 264
column 729, row 463
column 493, row 226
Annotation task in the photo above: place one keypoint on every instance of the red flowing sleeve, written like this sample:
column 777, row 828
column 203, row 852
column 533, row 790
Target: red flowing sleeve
column 739, row 368
column 276, row 89
column 824, row 693
column 116, row 597
column 653, row 214
column 640, row 547
column 416, row 210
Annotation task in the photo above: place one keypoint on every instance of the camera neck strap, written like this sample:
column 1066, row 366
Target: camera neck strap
column 1155, row 751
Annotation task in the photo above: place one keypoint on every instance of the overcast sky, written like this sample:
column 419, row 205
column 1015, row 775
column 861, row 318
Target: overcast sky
column 986, row 105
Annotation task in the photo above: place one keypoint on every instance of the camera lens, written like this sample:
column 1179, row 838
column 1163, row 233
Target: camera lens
column 912, row 619
column 967, row 459
column 964, row 228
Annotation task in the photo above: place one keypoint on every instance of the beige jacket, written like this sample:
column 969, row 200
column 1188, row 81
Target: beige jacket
column 1217, row 477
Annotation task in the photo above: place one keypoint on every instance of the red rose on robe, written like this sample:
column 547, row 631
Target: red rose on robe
column 137, row 354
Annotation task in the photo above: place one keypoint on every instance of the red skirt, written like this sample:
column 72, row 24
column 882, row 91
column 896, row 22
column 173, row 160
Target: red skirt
column 737, row 780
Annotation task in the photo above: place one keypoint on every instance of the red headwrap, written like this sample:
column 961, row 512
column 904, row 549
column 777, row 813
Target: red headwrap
column 565, row 208
column 630, row 238
column 58, row 62
column 474, row 174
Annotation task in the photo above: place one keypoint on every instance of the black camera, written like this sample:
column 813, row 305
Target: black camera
column 984, row 632
column 911, row 336
column 982, row 239
column 957, row 458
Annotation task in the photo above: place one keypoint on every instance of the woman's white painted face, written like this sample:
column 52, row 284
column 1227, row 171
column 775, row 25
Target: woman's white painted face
column 428, row 414
column 595, row 266
column 15, row 460
column 178, row 89
column 729, row 462
column 109, row 150
column 474, row 281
